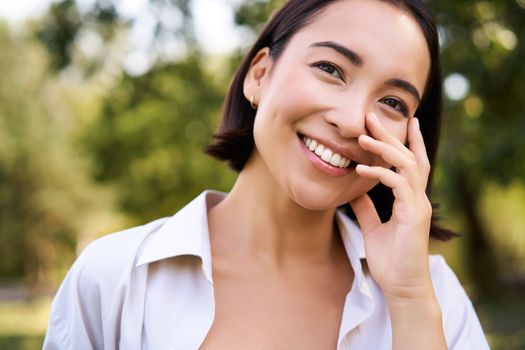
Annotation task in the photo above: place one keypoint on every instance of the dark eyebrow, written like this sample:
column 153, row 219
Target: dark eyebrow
column 358, row 61
column 351, row 55
column 405, row 85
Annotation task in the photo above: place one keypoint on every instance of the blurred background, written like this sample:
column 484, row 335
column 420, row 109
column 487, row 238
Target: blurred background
column 106, row 105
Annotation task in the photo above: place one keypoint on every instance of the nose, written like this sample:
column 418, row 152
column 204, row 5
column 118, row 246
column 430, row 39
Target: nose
column 348, row 115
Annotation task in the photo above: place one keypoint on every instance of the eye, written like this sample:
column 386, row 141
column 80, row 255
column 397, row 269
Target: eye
column 331, row 69
column 396, row 104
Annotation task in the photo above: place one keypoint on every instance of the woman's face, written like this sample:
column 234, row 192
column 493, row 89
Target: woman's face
column 355, row 57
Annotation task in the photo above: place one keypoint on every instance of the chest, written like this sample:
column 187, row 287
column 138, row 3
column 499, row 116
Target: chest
column 272, row 312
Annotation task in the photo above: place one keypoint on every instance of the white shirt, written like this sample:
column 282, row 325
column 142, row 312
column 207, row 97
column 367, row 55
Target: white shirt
column 151, row 287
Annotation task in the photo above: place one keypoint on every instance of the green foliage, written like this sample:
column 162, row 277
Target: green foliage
column 150, row 137
column 484, row 42
column 21, row 342
column 253, row 14
column 60, row 29
column 19, row 162
column 42, row 201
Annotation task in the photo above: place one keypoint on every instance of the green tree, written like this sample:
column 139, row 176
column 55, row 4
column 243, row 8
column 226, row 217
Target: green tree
column 42, row 202
column 149, row 139
column 483, row 41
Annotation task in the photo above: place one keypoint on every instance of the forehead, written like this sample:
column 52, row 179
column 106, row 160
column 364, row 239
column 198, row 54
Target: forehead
column 385, row 35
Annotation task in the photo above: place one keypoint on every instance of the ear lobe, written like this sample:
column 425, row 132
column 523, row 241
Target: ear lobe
column 258, row 72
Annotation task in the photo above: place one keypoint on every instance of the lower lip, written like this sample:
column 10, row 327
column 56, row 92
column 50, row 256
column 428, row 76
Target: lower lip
column 321, row 165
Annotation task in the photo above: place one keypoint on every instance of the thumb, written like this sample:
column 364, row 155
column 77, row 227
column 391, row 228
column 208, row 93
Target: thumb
column 366, row 213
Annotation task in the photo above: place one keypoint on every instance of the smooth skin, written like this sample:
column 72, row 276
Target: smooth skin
column 280, row 270
column 397, row 251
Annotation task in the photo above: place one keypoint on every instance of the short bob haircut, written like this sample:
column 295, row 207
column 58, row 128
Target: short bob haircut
column 234, row 140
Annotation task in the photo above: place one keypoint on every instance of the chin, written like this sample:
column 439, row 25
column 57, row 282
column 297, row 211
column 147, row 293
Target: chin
column 318, row 197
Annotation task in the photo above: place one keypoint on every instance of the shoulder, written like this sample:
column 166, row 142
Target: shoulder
column 461, row 324
column 449, row 291
column 115, row 252
column 91, row 297
column 105, row 267
column 443, row 278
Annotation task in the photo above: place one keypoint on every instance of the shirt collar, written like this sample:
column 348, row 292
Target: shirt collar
column 185, row 233
column 351, row 236
column 359, row 303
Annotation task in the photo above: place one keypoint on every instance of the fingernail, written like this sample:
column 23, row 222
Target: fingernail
column 361, row 167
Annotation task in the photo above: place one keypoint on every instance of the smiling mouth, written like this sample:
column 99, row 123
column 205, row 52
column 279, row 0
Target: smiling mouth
column 326, row 154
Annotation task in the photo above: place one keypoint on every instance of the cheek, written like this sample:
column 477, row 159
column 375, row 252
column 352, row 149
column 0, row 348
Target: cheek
column 293, row 93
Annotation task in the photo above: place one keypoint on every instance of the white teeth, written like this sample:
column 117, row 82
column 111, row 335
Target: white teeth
column 342, row 163
column 326, row 154
column 336, row 158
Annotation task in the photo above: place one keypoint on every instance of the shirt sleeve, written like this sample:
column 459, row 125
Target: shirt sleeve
column 462, row 328
column 75, row 317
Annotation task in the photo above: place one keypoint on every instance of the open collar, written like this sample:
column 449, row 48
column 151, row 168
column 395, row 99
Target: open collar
column 351, row 236
column 359, row 303
column 185, row 233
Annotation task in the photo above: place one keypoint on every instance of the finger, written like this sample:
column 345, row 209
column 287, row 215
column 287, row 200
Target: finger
column 398, row 183
column 365, row 213
column 379, row 132
column 407, row 166
column 417, row 146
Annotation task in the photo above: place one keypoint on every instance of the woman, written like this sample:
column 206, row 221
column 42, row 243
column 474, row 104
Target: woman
column 337, row 102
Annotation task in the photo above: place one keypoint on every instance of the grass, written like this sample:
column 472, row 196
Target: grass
column 23, row 324
column 21, row 342
column 504, row 322
column 24, row 318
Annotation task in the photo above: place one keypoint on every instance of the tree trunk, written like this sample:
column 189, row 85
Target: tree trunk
column 481, row 261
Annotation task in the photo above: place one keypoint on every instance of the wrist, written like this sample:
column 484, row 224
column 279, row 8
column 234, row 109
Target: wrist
column 415, row 321
column 411, row 293
column 424, row 309
column 414, row 302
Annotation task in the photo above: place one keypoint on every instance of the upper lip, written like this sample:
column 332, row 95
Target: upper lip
column 343, row 151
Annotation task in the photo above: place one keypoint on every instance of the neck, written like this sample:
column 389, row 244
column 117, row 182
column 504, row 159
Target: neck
column 258, row 219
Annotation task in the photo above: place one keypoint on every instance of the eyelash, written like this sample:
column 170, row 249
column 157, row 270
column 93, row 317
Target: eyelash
column 327, row 66
column 403, row 107
column 331, row 68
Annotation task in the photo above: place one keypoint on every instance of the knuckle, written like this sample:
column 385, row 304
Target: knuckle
column 425, row 164
column 403, row 181
column 411, row 164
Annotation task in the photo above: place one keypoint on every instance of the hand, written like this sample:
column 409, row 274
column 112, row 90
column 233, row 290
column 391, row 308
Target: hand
column 397, row 251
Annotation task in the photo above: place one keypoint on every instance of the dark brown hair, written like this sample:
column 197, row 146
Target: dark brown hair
column 234, row 140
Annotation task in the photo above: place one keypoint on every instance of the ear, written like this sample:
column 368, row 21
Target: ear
column 257, row 74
